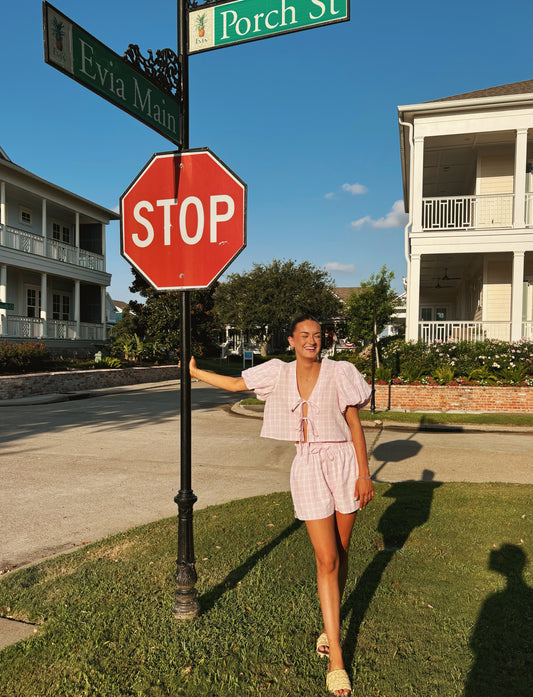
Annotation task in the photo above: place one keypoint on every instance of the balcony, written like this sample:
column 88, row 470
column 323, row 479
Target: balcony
column 20, row 327
column 51, row 249
column 459, row 330
column 471, row 212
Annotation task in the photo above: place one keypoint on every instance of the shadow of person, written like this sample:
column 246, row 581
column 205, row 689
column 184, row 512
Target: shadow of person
column 410, row 509
column 502, row 640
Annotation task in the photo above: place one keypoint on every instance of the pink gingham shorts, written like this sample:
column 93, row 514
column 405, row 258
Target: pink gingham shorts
column 323, row 478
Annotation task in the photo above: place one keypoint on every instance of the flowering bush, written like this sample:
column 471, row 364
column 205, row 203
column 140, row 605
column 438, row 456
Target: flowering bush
column 488, row 362
column 22, row 358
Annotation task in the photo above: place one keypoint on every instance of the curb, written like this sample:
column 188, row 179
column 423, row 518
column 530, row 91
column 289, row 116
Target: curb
column 256, row 411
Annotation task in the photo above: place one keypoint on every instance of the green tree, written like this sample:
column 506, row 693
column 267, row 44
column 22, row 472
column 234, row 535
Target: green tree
column 376, row 292
column 265, row 299
column 123, row 335
column 159, row 318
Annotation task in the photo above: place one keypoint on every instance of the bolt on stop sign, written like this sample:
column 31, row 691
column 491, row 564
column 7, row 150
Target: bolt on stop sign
column 183, row 220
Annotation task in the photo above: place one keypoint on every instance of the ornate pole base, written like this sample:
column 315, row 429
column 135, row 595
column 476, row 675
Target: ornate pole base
column 185, row 607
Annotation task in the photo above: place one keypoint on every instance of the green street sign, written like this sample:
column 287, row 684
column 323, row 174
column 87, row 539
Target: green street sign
column 7, row 306
column 229, row 23
column 73, row 51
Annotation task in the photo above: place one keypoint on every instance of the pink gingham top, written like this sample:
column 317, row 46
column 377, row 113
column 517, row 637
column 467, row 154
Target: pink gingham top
column 339, row 385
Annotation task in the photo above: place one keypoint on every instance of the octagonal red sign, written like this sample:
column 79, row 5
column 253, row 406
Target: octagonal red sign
column 183, row 220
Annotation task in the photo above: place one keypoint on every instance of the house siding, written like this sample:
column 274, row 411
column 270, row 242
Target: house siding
column 498, row 291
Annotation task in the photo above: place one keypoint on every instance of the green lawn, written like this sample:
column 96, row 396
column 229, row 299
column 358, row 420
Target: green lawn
column 423, row 613
column 423, row 418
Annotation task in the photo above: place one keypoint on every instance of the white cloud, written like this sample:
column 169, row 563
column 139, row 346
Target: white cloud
column 355, row 189
column 341, row 268
column 396, row 217
column 330, row 195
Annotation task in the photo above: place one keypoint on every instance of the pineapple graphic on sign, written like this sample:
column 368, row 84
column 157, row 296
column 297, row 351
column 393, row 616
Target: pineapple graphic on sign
column 200, row 25
column 58, row 32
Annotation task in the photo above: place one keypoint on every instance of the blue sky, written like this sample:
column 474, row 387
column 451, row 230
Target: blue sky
column 308, row 120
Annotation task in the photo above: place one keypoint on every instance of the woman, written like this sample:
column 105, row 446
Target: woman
column 315, row 403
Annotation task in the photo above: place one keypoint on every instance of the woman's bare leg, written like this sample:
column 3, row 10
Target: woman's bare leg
column 330, row 538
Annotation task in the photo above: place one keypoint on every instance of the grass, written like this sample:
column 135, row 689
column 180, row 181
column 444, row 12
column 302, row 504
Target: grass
column 445, row 418
column 434, row 418
column 419, row 603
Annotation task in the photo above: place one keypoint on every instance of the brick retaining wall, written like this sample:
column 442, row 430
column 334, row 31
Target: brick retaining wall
column 16, row 386
column 455, row 399
column 402, row 397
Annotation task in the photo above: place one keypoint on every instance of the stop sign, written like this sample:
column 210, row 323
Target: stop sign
column 183, row 219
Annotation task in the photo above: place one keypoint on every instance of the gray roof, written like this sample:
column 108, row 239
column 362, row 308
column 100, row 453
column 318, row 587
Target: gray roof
column 344, row 292
column 524, row 87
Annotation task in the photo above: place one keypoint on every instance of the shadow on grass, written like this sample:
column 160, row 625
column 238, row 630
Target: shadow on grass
column 502, row 640
column 209, row 599
column 410, row 509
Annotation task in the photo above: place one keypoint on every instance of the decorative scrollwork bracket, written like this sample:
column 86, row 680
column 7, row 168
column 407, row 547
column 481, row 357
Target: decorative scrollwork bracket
column 163, row 69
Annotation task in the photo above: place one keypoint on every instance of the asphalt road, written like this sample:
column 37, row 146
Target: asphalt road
column 74, row 472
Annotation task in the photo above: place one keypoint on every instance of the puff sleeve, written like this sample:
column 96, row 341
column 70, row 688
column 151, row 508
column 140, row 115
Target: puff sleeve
column 352, row 389
column 262, row 378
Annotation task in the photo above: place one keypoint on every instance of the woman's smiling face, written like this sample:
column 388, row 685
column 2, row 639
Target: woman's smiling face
column 306, row 339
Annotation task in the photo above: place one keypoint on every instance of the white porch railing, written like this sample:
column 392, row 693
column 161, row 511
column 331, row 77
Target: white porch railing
column 527, row 330
column 459, row 330
column 60, row 329
column 52, row 249
column 19, row 327
column 529, row 210
column 23, row 327
column 467, row 212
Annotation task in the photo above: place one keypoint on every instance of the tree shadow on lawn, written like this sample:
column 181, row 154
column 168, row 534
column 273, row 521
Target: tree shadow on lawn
column 210, row 599
column 502, row 640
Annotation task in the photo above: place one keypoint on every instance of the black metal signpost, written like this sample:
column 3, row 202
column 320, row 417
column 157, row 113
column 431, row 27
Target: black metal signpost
column 185, row 605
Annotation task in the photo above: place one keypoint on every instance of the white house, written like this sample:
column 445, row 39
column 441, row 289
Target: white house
column 467, row 166
column 52, row 262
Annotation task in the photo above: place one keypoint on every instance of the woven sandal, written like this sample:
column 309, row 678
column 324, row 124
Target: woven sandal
column 338, row 680
column 322, row 642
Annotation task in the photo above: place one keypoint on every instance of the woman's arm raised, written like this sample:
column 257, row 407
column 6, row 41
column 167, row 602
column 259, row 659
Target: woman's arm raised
column 225, row 382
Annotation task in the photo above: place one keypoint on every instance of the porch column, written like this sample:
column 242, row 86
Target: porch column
column 44, row 222
column 520, row 162
column 44, row 304
column 77, row 307
column 77, row 237
column 413, row 298
column 418, row 183
column 3, row 298
column 102, row 311
column 2, row 210
column 517, row 296
column 103, row 246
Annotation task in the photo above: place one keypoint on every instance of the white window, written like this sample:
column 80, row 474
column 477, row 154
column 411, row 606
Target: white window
column 60, row 306
column 25, row 216
column 61, row 232
column 426, row 314
column 33, row 302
